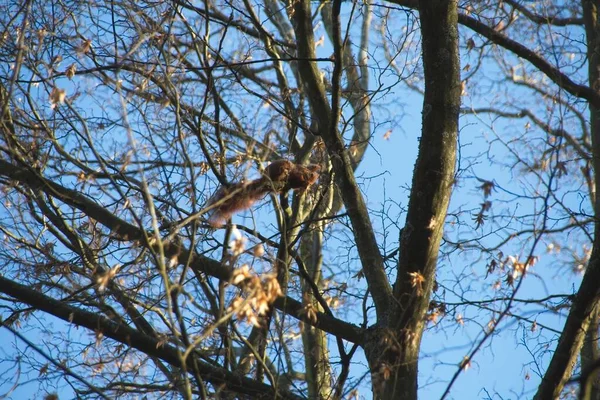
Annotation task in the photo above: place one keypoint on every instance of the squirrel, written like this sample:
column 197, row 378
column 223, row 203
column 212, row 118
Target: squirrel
column 278, row 177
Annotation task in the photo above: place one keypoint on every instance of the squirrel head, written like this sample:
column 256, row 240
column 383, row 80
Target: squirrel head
column 278, row 171
column 301, row 177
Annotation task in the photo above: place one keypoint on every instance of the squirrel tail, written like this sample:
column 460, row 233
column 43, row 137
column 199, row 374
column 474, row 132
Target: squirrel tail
column 279, row 177
column 239, row 196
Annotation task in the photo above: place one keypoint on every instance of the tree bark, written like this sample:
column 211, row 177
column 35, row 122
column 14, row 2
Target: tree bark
column 590, row 353
column 316, row 350
column 392, row 350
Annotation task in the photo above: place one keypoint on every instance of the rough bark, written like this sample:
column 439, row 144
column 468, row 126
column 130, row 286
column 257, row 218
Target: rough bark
column 590, row 353
column 393, row 350
column 316, row 351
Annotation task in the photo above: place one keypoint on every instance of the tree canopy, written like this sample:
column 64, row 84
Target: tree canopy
column 299, row 200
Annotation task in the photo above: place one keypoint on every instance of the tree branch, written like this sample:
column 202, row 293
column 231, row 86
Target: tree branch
column 573, row 334
column 543, row 19
column 371, row 259
column 128, row 232
column 144, row 343
column 561, row 79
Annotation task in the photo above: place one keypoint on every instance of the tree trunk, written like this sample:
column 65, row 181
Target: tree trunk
column 393, row 349
column 316, row 351
column 590, row 353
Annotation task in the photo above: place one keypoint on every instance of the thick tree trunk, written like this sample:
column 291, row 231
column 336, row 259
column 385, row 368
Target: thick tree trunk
column 393, row 349
column 392, row 346
column 590, row 352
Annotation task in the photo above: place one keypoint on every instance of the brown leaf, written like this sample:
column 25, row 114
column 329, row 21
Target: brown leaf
column 84, row 47
column 470, row 44
column 487, row 187
column 70, row 72
column 44, row 369
column 416, row 281
column 57, row 96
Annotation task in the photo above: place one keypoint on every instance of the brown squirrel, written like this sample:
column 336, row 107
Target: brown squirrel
column 278, row 177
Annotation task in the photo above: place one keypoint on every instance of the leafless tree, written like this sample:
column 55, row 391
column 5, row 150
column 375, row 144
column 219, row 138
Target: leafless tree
column 184, row 213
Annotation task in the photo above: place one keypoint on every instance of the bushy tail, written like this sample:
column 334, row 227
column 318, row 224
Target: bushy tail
column 237, row 197
column 279, row 177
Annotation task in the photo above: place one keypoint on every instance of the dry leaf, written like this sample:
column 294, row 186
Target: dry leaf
column 84, row 47
column 57, row 96
column 70, row 72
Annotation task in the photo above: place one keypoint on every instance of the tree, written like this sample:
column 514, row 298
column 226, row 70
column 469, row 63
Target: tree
column 131, row 132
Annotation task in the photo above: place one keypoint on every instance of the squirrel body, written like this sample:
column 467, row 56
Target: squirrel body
column 302, row 177
column 278, row 177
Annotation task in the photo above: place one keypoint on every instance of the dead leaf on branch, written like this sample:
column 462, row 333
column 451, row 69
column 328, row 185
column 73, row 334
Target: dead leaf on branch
column 258, row 294
column 416, row 281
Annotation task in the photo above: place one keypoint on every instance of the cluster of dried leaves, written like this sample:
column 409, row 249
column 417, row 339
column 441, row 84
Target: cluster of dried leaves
column 258, row 293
